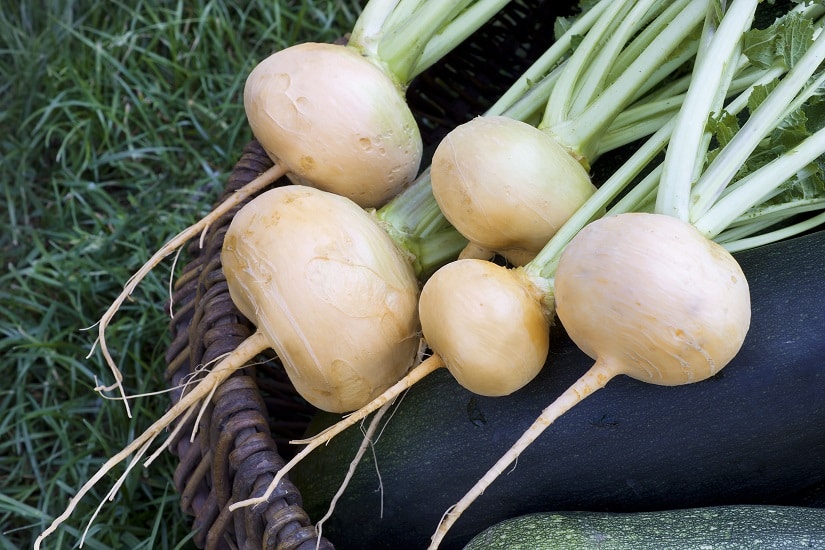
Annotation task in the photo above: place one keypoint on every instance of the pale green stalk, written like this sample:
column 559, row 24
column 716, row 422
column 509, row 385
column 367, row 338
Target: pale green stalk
column 644, row 117
column 369, row 26
column 603, row 62
column 774, row 236
column 560, row 100
column 582, row 130
column 548, row 60
column 754, row 223
column 753, row 188
column 402, row 47
column 405, row 37
column 456, row 31
column 709, row 73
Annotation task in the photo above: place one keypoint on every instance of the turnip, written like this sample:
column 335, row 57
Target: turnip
column 650, row 295
column 331, row 291
column 334, row 120
column 335, row 116
column 508, row 186
column 327, row 289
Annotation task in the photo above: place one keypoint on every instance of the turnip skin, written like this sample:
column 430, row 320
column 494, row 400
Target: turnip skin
column 490, row 304
column 490, row 167
column 683, row 324
column 332, row 292
column 335, row 120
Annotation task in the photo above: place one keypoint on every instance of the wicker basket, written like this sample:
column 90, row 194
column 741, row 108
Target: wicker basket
column 241, row 441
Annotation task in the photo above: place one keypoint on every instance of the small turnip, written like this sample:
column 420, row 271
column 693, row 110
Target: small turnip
column 335, row 120
column 507, row 185
column 488, row 169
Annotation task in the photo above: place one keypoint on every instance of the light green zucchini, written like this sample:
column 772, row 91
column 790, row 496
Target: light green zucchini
column 719, row 527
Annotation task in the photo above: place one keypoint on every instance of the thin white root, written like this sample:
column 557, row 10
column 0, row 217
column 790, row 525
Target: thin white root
column 115, row 488
column 592, row 380
column 414, row 376
column 170, row 438
column 248, row 349
column 426, row 367
column 366, row 443
column 171, row 284
column 262, row 181
column 187, row 380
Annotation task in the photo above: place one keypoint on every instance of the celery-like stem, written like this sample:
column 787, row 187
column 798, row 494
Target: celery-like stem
column 405, row 37
column 402, row 46
column 592, row 93
column 455, row 32
column 558, row 105
column 584, row 130
column 547, row 61
column 711, row 76
column 774, row 236
column 368, row 27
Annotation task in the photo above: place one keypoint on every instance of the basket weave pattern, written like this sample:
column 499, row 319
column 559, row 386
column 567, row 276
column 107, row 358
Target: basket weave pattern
column 242, row 436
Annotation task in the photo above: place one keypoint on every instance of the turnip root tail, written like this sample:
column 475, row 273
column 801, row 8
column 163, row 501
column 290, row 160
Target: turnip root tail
column 263, row 180
column 427, row 366
column 365, row 444
column 247, row 350
column 594, row 379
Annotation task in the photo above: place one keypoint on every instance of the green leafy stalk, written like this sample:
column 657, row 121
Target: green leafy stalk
column 403, row 44
column 455, row 32
column 417, row 225
column 369, row 25
column 758, row 185
column 776, row 235
column 537, row 73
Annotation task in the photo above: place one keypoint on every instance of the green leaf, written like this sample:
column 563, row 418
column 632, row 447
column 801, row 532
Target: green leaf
column 795, row 40
column 724, row 127
column 759, row 94
column 783, row 42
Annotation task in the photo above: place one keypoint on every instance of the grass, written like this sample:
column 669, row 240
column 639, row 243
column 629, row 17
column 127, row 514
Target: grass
column 120, row 123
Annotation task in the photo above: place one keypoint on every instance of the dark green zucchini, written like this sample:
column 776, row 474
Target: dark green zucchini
column 713, row 528
column 753, row 434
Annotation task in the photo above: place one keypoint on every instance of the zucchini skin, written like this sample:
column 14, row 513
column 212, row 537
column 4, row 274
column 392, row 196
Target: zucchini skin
column 740, row 527
column 753, row 434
